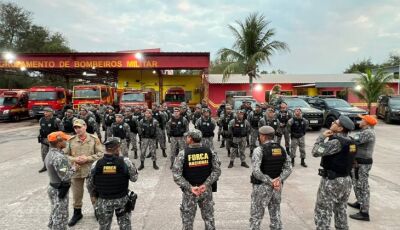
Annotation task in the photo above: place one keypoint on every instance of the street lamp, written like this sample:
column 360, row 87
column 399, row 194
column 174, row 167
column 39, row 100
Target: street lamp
column 139, row 56
column 9, row 57
column 358, row 88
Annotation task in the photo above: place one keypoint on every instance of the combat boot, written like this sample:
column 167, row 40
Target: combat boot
column 135, row 156
column 229, row 152
column 364, row 216
column 44, row 169
column 303, row 163
column 141, row 165
column 230, row 164
column 164, row 153
column 172, row 164
column 244, row 164
column 155, row 165
column 219, row 137
column 76, row 217
column 293, row 162
column 222, row 144
column 288, row 150
column 355, row 205
column 251, row 153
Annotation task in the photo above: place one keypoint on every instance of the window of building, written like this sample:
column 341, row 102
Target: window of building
column 327, row 93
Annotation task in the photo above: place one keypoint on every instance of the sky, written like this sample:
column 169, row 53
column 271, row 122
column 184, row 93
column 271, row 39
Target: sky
column 324, row 37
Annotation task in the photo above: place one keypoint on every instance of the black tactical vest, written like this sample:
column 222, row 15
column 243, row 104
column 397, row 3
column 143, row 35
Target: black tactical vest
column 274, row 157
column 283, row 117
column 139, row 116
column 207, row 128
column 111, row 177
column 47, row 126
column 273, row 123
column 148, row 129
column 255, row 119
column 239, row 129
column 97, row 116
column 220, row 110
column 341, row 162
column 298, row 128
column 119, row 131
column 157, row 116
column 226, row 120
column 109, row 119
column 89, row 127
column 177, row 127
column 196, row 116
column 132, row 123
column 68, row 125
column 197, row 166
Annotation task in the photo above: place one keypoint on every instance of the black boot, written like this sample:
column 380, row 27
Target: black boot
column 172, row 164
column 288, row 150
column 141, row 165
column 76, row 217
column 229, row 152
column 244, row 164
column 169, row 140
column 355, row 205
column 44, row 169
column 293, row 162
column 135, row 156
column 230, row 164
column 164, row 153
column 219, row 137
column 222, row 144
column 303, row 163
column 251, row 153
column 155, row 165
column 364, row 216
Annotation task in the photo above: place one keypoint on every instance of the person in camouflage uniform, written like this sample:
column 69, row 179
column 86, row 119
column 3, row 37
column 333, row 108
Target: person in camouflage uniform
column 176, row 127
column 48, row 124
column 148, row 129
column 109, row 119
column 90, row 121
column 297, row 127
column 271, row 167
column 365, row 141
column 206, row 125
column 224, row 120
column 161, row 117
column 239, row 128
column 133, row 127
column 220, row 111
column 60, row 172
column 196, row 171
column 121, row 130
column 254, row 118
column 186, row 112
column 284, row 116
column 197, row 113
column 112, row 197
column 337, row 157
column 68, row 121
column 269, row 119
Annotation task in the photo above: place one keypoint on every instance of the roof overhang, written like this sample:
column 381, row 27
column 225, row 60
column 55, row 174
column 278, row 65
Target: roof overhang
column 334, row 84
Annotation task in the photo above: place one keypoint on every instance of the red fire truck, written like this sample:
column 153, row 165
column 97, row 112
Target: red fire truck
column 14, row 104
column 135, row 97
column 93, row 94
column 41, row 97
column 174, row 97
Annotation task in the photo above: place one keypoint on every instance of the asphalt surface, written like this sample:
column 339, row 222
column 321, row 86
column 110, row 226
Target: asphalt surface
column 25, row 205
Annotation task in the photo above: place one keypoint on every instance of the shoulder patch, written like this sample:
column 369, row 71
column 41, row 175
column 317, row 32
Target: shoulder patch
column 321, row 150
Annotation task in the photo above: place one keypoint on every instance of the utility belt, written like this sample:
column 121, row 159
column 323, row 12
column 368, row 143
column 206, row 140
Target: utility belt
column 331, row 175
column 254, row 180
column 62, row 188
column 362, row 161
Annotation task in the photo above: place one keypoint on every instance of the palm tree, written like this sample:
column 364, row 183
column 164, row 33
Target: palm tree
column 253, row 46
column 372, row 86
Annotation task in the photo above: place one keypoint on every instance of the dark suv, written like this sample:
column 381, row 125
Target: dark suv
column 314, row 116
column 388, row 108
column 334, row 107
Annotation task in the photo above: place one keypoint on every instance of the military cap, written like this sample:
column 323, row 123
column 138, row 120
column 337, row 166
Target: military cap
column 112, row 142
column 258, row 105
column 194, row 133
column 176, row 109
column 70, row 111
column 48, row 109
column 266, row 130
column 346, row 122
column 297, row 108
column 79, row 122
column 198, row 106
column 228, row 106
column 240, row 111
column 119, row 115
column 204, row 110
column 58, row 136
column 83, row 108
column 110, row 107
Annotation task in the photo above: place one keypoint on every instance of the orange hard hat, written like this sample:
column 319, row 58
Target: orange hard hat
column 372, row 121
column 57, row 136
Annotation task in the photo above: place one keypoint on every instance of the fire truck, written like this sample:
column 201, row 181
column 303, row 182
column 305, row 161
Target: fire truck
column 174, row 97
column 41, row 97
column 14, row 104
column 134, row 97
column 93, row 94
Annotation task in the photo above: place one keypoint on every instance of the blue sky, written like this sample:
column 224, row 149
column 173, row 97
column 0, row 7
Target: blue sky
column 323, row 36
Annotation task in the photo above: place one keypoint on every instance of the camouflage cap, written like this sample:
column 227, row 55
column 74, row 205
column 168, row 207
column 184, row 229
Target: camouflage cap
column 48, row 109
column 83, row 108
column 265, row 130
column 205, row 110
column 119, row 115
column 70, row 111
column 258, row 105
column 112, row 142
column 194, row 133
column 240, row 111
column 198, row 106
column 79, row 122
column 346, row 122
column 176, row 109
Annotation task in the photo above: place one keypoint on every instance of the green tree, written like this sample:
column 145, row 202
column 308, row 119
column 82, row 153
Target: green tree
column 372, row 86
column 360, row 66
column 253, row 46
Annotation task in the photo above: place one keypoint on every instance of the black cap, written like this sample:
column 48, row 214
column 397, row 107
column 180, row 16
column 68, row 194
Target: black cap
column 112, row 142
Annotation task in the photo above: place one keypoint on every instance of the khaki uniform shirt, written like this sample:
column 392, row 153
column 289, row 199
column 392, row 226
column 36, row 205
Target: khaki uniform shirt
column 90, row 147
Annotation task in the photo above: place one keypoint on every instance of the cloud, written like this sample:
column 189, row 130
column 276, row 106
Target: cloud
column 353, row 49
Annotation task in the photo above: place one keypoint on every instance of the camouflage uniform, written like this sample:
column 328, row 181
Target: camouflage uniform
column 132, row 121
column 189, row 200
column 332, row 194
column 264, row 195
column 124, row 141
column 91, row 124
column 365, row 141
column 59, row 170
column 297, row 141
column 105, row 208
column 177, row 143
column 148, row 143
column 274, row 123
column 109, row 119
column 43, row 133
column 283, row 117
column 254, row 119
column 206, row 141
column 239, row 147
column 161, row 138
column 226, row 136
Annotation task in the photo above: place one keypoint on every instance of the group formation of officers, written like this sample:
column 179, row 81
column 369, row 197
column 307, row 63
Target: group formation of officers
column 70, row 160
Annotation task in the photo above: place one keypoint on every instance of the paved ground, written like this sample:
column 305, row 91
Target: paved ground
column 24, row 202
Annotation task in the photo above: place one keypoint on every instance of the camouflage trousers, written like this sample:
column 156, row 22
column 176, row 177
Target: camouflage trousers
column 44, row 148
column 133, row 141
column 189, row 207
column 361, row 185
column 253, row 138
column 161, row 139
column 227, row 139
column 302, row 147
column 59, row 210
column 238, row 148
column 208, row 142
column 105, row 210
column 124, row 148
column 108, row 132
column 264, row 196
column 177, row 144
column 332, row 197
column 150, row 144
column 285, row 134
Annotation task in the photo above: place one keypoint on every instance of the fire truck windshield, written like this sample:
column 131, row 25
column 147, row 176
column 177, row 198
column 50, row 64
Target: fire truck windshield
column 7, row 101
column 86, row 93
column 175, row 97
column 132, row 97
column 42, row 96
